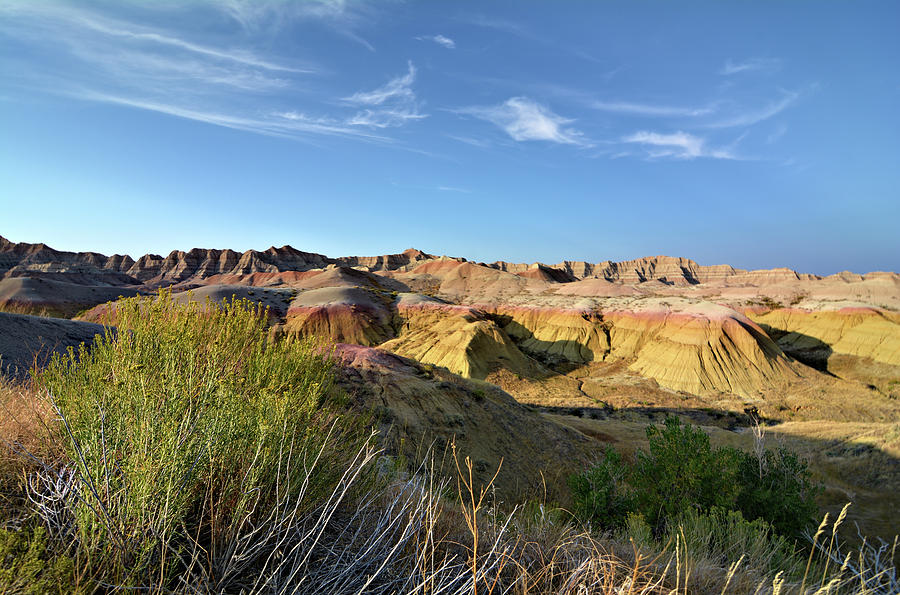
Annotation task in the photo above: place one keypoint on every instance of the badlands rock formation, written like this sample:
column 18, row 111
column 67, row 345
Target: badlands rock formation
column 532, row 364
column 727, row 335
column 418, row 408
column 462, row 339
column 343, row 314
column 857, row 330
column 26, row 341
column 698, row 347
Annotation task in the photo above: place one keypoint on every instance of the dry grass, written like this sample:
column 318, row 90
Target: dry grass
column 26, row 437
column 14, row 307
column 415, row 536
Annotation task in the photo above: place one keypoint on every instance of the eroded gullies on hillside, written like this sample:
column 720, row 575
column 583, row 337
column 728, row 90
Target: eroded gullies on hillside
column 594, row 346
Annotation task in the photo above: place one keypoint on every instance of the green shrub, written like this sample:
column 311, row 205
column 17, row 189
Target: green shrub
column 600, row 494
column 681, row 471
column 637, row 530
column 725, row 535
column 28, row 565
column 682, row 474
column 778, row 487
column 186, row 421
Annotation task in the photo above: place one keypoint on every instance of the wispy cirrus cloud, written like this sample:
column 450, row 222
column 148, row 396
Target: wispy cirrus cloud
column 285, row 124
column 398, row 88
column 754, row 116
column 344, row 17
column 438, row 188
column 676, row 145
column 76, row 25
column 112, row 55
column 440, row 40
column 776, row 134
column 475, row 142
column 752, row 64
column 243, row 57
column 651, row 110
column 112, row 58
column 524, row 119
column 392, row 104
column 523, row 32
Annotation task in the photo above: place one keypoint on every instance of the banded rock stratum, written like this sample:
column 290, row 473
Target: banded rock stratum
column 729, row 336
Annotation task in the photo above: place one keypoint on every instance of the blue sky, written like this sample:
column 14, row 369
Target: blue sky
column 758, row 134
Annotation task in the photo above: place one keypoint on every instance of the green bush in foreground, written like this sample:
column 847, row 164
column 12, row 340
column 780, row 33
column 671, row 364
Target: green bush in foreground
column 28, row 564
column 778, row 487
column 183, row 423
column 679, row 471
column 682, row 473
column 600, row 494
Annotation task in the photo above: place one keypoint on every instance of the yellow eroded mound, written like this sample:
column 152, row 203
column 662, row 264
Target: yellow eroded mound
column 860, row 332
column 343, row 315
column 571, row 335
column 460, row 339
column 699, row 350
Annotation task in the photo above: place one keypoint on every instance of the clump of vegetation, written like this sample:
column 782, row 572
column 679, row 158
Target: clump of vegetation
column 600, row 493
column 777, row 486
column 187, row 427
column 14, row 307
column 766, row 302
column 29, row 565
column 681, row 472
column 798, row 297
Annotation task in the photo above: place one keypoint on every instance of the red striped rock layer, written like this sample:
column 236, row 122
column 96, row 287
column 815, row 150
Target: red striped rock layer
column 343, row 315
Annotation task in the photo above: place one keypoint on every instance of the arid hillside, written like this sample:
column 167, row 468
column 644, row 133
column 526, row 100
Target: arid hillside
column 575, row 330
column 577, row 348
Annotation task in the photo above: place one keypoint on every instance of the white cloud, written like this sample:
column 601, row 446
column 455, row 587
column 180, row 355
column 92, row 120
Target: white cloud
column 286, row 124
column 440, row 40
column 342, row 16
column 475, row 142
column 524, row 119
column 392, row 104
column 252, row 14
column 748, row 118
column 776, row 134
column 642, row 109
column 76, row 26
column 399, row 88
column 763, row 64
column 145, row 69
column 383, row 118
column 676, row 145
column 238, row 56
column 124, row 62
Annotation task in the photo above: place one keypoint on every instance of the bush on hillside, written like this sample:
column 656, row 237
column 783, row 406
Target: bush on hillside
column 600, row 495
column 187, row 427
column 682, row 473
column 778, row 487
